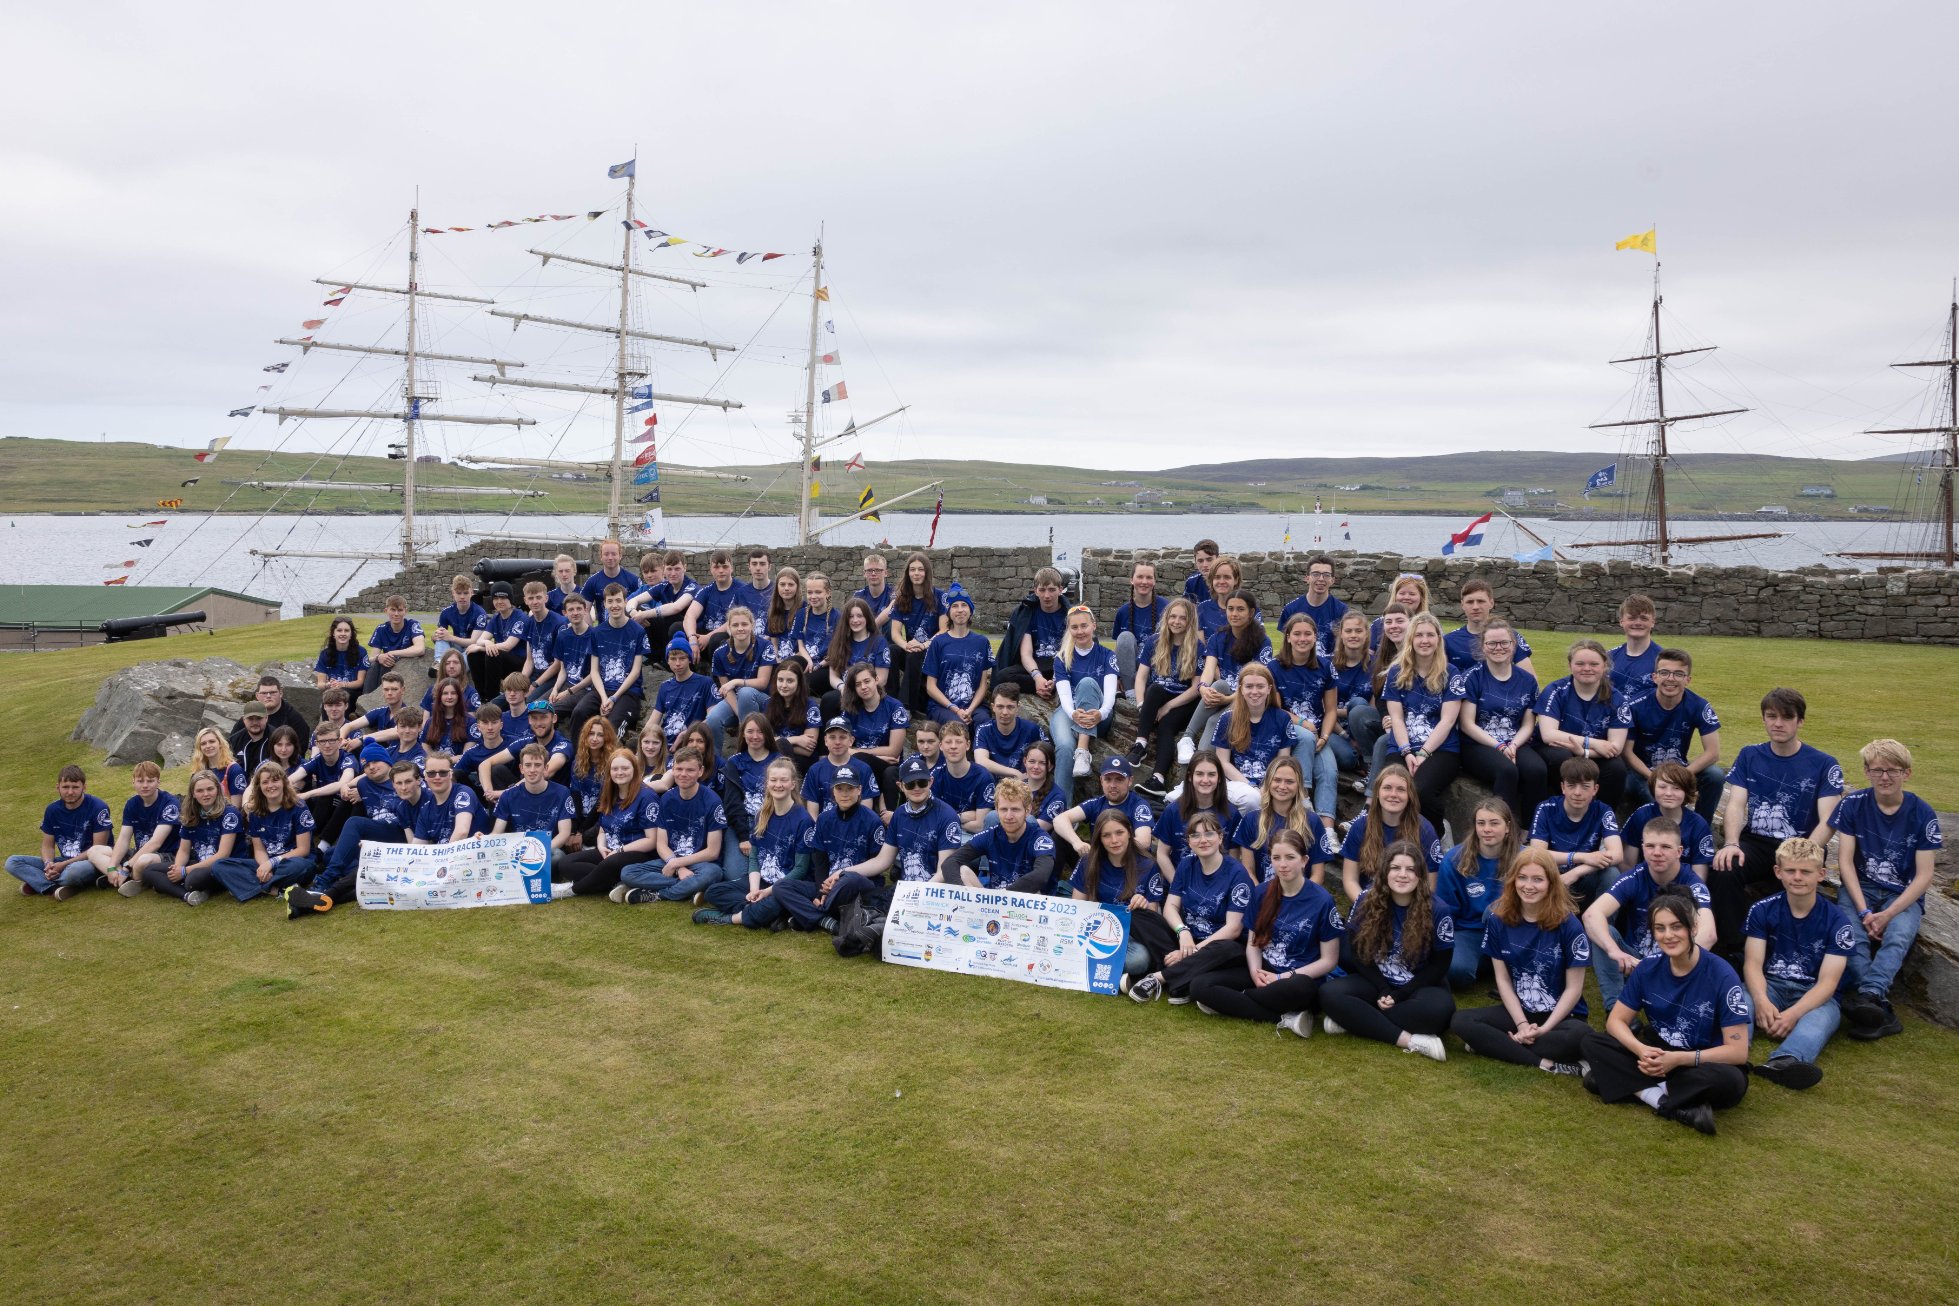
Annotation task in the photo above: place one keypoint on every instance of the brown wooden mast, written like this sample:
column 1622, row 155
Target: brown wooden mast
column 1944, row 554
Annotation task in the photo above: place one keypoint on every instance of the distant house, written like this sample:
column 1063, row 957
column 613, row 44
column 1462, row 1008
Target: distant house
column 1255, row 484
column 1148, row 496
column 1771, row 510
column 1098, row 502
column 429, row 458
column 1818, row 492
column 1538, row 489
column 1515, row 499
column 1871, row 508
column 70, row 616
column 1039, row 500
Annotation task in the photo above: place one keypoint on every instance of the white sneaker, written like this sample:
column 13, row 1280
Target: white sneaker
column 1206, row 1010
column 1183, row 1001
column 1427, row 1045
column 1326, row 1023
column 195, row 898
column 1186, row 749
column 1297, row 1022
column 618, row 893
column 560, row 889
column 1082, row 763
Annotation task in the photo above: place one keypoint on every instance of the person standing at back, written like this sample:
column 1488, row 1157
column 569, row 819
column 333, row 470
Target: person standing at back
column 1318, row 603
column 1135, row 628
column 1197, row 585
column 609, row 572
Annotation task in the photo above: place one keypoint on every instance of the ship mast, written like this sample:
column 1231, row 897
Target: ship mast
column 803, row 522
column 1947, row 551
column 619, row 386
column 1663, row 541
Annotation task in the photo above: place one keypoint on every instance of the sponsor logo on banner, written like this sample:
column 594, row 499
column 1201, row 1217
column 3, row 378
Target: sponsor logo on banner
column 495, row 870
column 1056, row 942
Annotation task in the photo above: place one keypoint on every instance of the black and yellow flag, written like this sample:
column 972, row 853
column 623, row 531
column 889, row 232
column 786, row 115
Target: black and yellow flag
column 867, row 505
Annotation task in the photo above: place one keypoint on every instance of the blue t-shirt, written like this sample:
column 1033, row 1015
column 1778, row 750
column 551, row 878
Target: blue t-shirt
column 1321, row 849
column 520, row 809
column 1219, row 646
column 541, row 640
column 776, row 848
column 1431, row 844
column 463, row 621
column 1135, row 807
column 1539, row 959
column 1111, row 878
column 958, row 662
column 1171, row 832
column 1325, row 616
column 971, row 792
column 1635, row 889
column 751, row 777
column 1211, row 618
column 384, row 638
column 73, row 829
column 205, row 836
column 1468, row 896
column 1049, row 806
column 1009, row 748
column 1302, row 689
column 1009, row 859
column 471, row 700
column 1797, row 947
column 383, row 717
column 729, row 665
column 756, row 599
column 435, row 820
column 1783, row 791
column 316, row 771
column 1142, row 623
column 921, row 835
column 1887, row 846
column 715, row 604
column 689, row 821
column 632, row 820
column 554, row 598
column 813, row 630
column 1500, row 704
column 872, row 728
column 377, row 801
column 681, row 703
column 615, row 647
column 1205, row 900
column 234, row 780
column 1196, row 588
column 280, row 828
column 1696, row 835
column 816, row 782
column 515, row 624
column 573, row 650
column 1350, row 683
column 1421, row 712
column 341, row 664
column 1304, row 921
column 1591, row 718
column 1688, row 1012
column 920, row 618
column 595, row 586
column 849, row 839
column 1632, row 676
column 1561, row 834
column 1048, row 630
column 872, row 649
column 812, row 720
column 141, row 821
column 1466, row 650
column 879, row 601
column 1395, row 968
column 1271, row 735
column 1659, row 733
column 585, row 785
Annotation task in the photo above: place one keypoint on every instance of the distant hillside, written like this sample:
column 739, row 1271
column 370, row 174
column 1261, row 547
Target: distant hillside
column 71, row 476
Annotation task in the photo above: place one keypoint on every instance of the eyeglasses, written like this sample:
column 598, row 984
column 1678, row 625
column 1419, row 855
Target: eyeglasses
column 1669, row 675
column 438, row 775
column 1882, row 772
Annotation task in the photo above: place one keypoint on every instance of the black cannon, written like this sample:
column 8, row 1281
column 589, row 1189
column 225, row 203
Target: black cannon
column 513, row 571
column 118, row 629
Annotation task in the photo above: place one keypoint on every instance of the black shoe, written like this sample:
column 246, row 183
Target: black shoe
column 1590, row 1081
column 1156, row 786
column 1888, row 1024
column 1864, row 1011
column 850, row 918
column 303, row 902
column 1698, row 1117
column 1138, row 751
column 1790, row 1072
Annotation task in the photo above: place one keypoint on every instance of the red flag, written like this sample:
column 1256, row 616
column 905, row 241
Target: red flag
column 312, row 324
column 344, row 290
column 336, row 301
column 646, row 456
column 119, row 580
column 937, row 508
column 653, row 419
column 856, row 463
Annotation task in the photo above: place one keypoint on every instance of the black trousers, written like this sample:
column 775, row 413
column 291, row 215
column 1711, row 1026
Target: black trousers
column 1734, row 892
column 1351, row 1003
column 590, row 873
column 1018, row 675
column 1487, row 1031
column 910, row 668
column 1521, row 783
column 1617, row 1074
column 1163, row 726
column 330, row 813
column 1229, row 991
column 1432, row 783
column 1611, row 774
column 487, row 670
column 1179, row 976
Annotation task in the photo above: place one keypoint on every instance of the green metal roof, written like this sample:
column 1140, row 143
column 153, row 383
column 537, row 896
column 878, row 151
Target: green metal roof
column 88, row 606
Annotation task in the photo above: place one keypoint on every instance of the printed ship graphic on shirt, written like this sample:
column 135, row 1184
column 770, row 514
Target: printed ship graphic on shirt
column 958, row 686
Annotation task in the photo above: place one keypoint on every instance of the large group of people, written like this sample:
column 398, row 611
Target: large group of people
column 781, row 757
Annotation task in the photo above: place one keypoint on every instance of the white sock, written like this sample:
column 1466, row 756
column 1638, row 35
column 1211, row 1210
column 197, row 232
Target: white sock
column 1655, row 1096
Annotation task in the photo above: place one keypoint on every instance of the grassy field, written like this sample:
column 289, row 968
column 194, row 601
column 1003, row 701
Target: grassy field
column 54, row 475
column 584, row 1102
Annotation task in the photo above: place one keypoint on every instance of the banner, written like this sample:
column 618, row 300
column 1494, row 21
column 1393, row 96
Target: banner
column 1060, row 943
column 492, row 870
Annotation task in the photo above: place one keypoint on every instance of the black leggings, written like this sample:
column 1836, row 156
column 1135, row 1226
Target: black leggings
column 590, row 873
column 1432, row 782
column 1229, row 991
column 1734, row 892
column 1521, row 784
column 909, row 667
column 1179, row 976
column 156, row 877
column 1163, row 726
column 1487, row 1030
column 1618, row 1077
column 1349, row 1002
column 487, row 670
column 1019, row 675
column 1611, row 773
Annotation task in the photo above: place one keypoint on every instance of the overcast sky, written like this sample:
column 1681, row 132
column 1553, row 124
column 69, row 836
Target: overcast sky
column 1104, row 234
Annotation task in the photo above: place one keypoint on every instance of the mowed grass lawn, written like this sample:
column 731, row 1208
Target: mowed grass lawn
column 583, row 1102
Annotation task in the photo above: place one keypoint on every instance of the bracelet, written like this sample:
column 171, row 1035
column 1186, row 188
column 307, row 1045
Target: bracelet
column 1697, row 1057
column 1865, row 914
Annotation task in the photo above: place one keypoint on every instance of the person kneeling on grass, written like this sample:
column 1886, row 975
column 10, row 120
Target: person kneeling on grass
column 1539, row 951
column 1206, row 906
column 1399, row 945
column 70, row 826
column 687, row 838
column 1293, row 943
column 1794, row 962
column 149, row 833
column 777, row 849
column 1697, row 1011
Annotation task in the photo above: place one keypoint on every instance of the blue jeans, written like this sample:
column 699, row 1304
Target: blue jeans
column 1708, row 803
column 797, row 898
column 730, row 897
column 1088, row 694
column 674, row 888
column 1606, row 970
column 1136, row 960
column 1806, row 1040
column 1467, row 961
column 240, row 875
column 1363, row 728
column 33, row 872
column 1318, row 764
column 721, row 718
column 1868, row 974
column 347, row 849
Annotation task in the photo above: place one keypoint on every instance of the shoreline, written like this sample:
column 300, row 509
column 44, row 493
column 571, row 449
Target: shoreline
column 1444, row 514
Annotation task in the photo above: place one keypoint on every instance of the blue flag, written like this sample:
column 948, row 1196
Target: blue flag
column 641, row 406
column 626, row 169
column 647, row 475
column 1535, row 555
column 240, row 412
column 641, row 392
column 1601, row 478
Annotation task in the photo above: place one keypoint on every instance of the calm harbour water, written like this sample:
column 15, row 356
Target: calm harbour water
column 215, row 550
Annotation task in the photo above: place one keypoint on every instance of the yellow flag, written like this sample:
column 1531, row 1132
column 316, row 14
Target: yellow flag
column 1647, row 242
column 823, row 293
column 816, row 489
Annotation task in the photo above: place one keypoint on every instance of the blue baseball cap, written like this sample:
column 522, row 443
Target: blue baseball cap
column 915, row 770
column 1116, row 766
column 837, row 723
column 845, row 776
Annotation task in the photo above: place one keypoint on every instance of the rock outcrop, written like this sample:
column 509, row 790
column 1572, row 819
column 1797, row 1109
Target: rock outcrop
column 153, row 710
